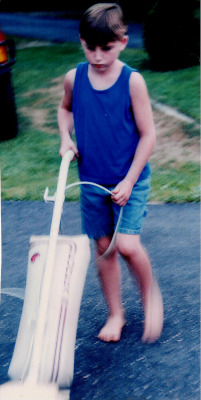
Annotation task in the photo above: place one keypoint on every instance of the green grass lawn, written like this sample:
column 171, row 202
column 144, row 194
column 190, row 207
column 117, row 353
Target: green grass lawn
column 30, row 162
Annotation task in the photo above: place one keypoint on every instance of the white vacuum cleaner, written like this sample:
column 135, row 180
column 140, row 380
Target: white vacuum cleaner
column 43, row 359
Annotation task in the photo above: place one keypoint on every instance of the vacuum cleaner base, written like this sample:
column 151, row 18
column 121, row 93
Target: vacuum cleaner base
column 24, row 391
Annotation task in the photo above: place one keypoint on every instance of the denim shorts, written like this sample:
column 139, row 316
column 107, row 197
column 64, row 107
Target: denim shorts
column 100, row 214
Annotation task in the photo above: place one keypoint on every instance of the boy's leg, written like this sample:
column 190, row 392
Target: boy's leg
column 110, row 276
column 131, row 249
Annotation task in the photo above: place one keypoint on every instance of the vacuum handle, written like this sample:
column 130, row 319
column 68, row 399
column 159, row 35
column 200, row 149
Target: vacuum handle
column 69, row 155
column 49, row 266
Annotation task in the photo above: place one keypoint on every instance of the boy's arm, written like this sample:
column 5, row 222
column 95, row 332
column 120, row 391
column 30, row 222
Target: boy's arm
column 145, row 123
column 65, row 116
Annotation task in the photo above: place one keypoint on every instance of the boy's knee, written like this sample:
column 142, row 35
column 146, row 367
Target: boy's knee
column 128, row 245
column 102, row 245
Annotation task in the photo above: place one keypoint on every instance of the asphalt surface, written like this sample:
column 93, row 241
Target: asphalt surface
column 54, row 29
column 128, row 370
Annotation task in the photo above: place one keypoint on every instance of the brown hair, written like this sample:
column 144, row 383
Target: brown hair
column 103, row 23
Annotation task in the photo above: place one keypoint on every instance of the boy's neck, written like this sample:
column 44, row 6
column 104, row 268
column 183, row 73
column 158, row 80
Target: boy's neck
column 102, row 80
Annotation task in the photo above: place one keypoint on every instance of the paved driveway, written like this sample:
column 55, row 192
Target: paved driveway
column 128, row 370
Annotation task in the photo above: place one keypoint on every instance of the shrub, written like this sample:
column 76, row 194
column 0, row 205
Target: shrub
column 171, row 33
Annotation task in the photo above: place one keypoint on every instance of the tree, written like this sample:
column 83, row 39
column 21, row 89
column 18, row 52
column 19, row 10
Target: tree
column 171, row 33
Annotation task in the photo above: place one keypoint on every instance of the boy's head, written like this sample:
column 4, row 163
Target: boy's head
column 103, row 23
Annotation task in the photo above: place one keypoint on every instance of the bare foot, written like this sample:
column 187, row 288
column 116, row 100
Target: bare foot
column 111, row 332
column 153, row 324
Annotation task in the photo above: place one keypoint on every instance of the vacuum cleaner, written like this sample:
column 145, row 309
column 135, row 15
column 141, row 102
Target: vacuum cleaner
column 42, row 365
column 43, row 358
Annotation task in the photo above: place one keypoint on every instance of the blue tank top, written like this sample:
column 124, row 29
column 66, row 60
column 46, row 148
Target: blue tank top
column 105, row 128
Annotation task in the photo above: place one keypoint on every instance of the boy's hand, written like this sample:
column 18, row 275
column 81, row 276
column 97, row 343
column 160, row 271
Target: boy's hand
column 68, row 145
column 122, row 192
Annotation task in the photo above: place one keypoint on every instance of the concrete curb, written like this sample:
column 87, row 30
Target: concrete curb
column 172, row 112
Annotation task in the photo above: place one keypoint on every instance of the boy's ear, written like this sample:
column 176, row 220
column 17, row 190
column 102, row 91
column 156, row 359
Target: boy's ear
column 124, row 42
column 83, row 44
column 81, row 40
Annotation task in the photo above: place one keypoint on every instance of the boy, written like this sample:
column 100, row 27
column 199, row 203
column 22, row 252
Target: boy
column 108, row 104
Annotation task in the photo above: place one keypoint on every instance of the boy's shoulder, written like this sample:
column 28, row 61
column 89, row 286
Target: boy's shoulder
column 70, row 79
column 138, row 88
column 135, row 77
column 136, row 80
column 70, row 75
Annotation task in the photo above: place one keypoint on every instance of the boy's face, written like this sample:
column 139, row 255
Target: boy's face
column 102, row 57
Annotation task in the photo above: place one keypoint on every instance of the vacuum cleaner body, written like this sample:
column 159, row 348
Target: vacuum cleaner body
column 43, row 358
column 70, row 268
